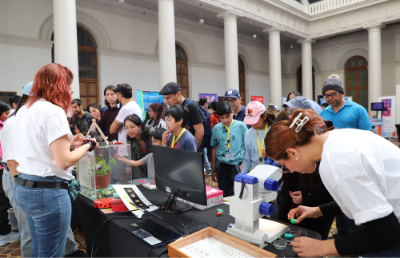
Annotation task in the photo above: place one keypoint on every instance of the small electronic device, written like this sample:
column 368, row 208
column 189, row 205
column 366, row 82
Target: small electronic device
column 179, row 173
column 378, row 106
column 328, row 123
column 103, row 203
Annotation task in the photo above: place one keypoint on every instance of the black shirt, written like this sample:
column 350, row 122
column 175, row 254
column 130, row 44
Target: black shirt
column 195, row 114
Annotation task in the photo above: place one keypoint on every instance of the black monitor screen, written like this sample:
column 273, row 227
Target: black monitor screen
column 180, row 171
column 377, row 106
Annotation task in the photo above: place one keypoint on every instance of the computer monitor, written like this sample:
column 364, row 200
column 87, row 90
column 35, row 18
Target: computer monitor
column 180, row 173
column 378, row 106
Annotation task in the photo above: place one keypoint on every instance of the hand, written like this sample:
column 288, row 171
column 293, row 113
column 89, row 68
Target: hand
column 214, row 176
column 264, row 153
column 331, row 128
column 296, row 197
column 119, row 157
column 307, row 247
column 303, row 212
column 96, row 115
column 97, row 145
column 165, row 137
column 77, row 140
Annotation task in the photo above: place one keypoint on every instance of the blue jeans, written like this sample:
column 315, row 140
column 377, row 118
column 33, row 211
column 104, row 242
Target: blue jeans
column 391, row 252
column 206, row 162
column 49, row 214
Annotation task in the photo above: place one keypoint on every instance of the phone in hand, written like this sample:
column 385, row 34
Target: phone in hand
column 328, row 123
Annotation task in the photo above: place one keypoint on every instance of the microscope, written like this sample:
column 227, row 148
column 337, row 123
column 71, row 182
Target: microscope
column 253, row 192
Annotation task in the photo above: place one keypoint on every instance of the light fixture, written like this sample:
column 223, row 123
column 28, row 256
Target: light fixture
column 291, row 45
column 201, row 21
column 337, row 44
column 121, row 1
column 254, row 29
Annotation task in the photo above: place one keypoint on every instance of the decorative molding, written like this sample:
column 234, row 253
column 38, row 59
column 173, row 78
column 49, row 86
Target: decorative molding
column 230, row 13
column 354, row 52
column 25, row 41
column 126, row 54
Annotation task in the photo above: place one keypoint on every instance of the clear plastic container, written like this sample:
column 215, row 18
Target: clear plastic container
column 298, row 232
column 280, row 245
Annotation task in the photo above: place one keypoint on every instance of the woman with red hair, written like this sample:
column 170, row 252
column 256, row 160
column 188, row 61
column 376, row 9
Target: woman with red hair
column 156, row 117
column 43, row 140
column 361, row 172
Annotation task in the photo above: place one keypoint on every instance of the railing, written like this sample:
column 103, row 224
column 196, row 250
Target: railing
column 294, row 4
column 327, row 5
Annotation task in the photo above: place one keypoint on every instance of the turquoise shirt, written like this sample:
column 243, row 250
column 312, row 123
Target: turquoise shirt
column 350, row 115
column 219, row 139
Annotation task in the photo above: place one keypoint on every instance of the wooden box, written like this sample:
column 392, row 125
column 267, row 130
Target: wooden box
column 173, row 248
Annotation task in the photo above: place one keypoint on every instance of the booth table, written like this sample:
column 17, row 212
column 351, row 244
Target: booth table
column 116, row 241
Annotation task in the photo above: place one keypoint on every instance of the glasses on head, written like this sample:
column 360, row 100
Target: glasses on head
column 232, row 100
column 331, row 95
column 284, row 169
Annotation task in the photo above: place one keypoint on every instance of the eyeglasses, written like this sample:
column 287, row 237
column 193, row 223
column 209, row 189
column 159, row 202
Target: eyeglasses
column 232, row 100
column 284, row 169
column 331, row 95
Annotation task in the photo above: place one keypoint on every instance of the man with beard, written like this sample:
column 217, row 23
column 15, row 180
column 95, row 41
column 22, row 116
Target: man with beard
column 344, row 113
column 79, row 114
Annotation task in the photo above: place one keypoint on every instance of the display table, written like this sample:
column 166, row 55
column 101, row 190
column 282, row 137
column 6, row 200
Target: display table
column 117, row 242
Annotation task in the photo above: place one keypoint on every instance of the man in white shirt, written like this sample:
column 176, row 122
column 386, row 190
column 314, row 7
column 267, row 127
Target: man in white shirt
column 130, row 107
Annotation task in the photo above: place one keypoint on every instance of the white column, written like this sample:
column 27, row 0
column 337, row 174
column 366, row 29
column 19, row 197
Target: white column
column 275, row 68
column 166, row 41
column 374, row 63
column 306, row 66
column 231, row 50
column 65, row 39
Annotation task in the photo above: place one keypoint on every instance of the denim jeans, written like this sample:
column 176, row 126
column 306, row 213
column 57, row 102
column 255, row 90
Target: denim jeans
column 48, row 212
column 206, row 162
column 391, row 252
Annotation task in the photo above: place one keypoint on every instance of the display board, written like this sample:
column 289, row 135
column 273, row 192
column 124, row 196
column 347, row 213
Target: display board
column 257, row 98
column 208, row 96
column 146, row 98
column 388, row 115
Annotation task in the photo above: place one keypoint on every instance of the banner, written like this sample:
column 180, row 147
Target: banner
column 257, row 98
column 388, row 115
column 209, row 97
column 146, row 98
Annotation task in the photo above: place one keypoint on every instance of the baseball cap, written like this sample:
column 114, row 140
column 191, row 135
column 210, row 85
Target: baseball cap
column 27, row 89
column 253, row 112
column 232, row 94
column 170, row 88
column 298, row 102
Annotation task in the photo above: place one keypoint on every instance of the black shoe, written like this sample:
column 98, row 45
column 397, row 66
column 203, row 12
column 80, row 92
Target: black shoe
column 78, row 253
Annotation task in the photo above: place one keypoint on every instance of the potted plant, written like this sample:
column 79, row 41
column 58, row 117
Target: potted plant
column 102, row 172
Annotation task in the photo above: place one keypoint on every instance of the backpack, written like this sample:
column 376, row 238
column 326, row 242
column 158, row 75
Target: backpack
column 88, row 119
column 207, row 125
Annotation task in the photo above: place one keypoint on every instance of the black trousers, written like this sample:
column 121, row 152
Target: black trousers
column 5, row 228
column 226, row 176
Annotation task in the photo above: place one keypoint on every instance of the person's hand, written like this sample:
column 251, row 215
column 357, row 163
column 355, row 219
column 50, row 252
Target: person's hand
column 331, row 128
column 264, row 153
column 96, row 115
column 119, row 157
column 296, row 197
column 165, row 137
column 303, row 212
column 214, row 176
column 307, row 247
column 97, row 144
column 77, row 140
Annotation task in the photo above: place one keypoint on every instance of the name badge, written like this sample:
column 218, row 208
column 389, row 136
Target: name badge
column 228, row 156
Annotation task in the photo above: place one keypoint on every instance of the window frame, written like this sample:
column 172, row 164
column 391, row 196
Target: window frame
column 357, row 69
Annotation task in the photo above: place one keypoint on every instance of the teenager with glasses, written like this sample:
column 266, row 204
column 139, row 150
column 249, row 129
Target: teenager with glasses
column 239, row 111
column 361, row 172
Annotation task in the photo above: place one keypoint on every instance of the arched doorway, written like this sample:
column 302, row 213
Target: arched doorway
column 242, row 81
column 299, row 74
column 88, row 66
column 356, row 80
column 182, row 73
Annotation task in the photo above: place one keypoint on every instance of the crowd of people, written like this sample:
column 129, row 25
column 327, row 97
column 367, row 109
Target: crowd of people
column 337, row 167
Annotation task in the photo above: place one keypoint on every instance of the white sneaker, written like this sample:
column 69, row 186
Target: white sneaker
column 9, row 238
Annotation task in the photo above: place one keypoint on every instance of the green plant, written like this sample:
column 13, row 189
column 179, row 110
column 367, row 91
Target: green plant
column 105, row 169
column 104, row 193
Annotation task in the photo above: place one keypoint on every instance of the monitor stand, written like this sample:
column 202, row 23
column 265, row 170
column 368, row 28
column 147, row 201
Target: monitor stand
column 174, row 206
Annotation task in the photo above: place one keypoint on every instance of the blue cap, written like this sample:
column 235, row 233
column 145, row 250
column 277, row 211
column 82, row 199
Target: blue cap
column 298, row 102
column 27, row 89
column 266, row 209
column 271, row 184
column 232, row 94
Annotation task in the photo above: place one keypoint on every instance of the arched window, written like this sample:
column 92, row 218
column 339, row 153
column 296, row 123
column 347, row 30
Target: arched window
column 88, row 67
column 300, row 81
column 182, row 74
column 356, row 78
column 242, row 81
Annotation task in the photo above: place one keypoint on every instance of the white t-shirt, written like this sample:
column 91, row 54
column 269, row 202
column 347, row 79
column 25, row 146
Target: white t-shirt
column 35, row 128
column 7, row 140
column 129, row 109
column 361, row 171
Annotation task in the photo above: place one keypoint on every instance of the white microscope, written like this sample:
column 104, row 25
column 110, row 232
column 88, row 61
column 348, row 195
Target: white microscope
column 253, row 192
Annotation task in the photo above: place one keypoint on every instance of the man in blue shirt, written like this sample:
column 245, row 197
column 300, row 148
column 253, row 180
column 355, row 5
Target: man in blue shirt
column 342, row 112
column 239, row 111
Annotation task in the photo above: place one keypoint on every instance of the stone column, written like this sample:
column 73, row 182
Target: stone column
column 275, row 68
column 65, row 39
column 231, row 49
column 166, row 41
column 374, row 63
column 306, row 66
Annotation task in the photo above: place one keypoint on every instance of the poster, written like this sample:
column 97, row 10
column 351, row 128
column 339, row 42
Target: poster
column 209, row 97
column 257, row 98
column 146, row 98
column 388, row 115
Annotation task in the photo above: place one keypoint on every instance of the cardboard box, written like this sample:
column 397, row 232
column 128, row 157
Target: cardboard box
column 214, row 198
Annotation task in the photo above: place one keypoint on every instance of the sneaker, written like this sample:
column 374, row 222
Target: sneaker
column 9, row 238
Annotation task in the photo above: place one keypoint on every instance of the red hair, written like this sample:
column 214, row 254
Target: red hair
column 52, row 84
column 281, row 137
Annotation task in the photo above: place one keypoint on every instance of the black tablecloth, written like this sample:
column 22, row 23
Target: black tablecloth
column 115, row 241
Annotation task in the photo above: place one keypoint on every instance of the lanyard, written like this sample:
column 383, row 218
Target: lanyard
column 228, row 139
column 261, row 146
column 179, row 136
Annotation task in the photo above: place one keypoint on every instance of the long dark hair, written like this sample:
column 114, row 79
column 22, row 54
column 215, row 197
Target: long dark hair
column 158, row 109
column 114, row 89
column 138, row 122
column 4, row 106
column 20, row 103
